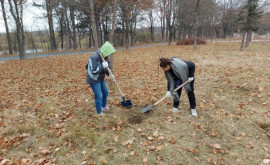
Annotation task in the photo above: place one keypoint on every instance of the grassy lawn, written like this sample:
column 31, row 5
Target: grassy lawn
column 47, row 112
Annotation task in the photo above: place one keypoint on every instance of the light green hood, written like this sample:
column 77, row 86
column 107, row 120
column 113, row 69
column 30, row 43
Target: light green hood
column 107, row 49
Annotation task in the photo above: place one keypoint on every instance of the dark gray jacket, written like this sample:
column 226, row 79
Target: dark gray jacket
column 181, row 71
column 95, row 71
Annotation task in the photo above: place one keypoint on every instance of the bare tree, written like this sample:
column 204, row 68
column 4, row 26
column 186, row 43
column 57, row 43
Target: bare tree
column 113, row 21
column 243, row 40
column 161, row 14
column 50, row 22
column 195, row 25
column 7, row 28
column 93, row 23
column 72, row 17
column 17, row 15
column 112, row 34
column 151, row 22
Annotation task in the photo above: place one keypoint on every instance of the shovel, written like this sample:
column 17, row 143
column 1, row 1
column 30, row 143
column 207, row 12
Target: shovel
column 125, row 103
column 148, row 108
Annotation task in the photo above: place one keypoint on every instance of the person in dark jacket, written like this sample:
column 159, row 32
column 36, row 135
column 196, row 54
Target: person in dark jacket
column 178, row 72
column 96, row 70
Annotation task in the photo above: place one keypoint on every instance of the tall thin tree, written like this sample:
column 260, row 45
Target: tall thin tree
column 112, row 34
column 7, row 28
column 17, row 15
column 51, row 26
column 93, row 22
column 195, row 25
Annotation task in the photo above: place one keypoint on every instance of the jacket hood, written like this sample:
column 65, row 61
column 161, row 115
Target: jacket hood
column 107, row 49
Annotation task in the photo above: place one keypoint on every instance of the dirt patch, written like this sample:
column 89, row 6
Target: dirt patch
column 135, row 120
column 135, row 116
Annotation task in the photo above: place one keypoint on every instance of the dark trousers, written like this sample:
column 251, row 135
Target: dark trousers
column 191, row 97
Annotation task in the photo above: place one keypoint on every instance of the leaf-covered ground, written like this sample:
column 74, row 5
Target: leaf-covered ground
column 47, row 113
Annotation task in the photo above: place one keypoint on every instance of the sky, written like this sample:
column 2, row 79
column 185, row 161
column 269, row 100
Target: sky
column 33, row 18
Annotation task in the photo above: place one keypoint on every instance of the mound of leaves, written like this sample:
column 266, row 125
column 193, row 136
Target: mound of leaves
column 191, row 42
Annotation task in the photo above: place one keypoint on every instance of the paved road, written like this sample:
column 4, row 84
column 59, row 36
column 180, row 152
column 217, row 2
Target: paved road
column 90, row 51
column 69, row 52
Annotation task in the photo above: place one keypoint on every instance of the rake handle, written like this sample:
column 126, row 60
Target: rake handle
column 173, row 91
column 110, row 72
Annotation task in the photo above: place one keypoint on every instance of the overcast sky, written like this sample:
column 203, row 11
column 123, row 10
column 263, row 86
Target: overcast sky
column 33, row 18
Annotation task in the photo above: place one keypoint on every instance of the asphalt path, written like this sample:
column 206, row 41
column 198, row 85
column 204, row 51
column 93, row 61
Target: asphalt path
column 2, row 59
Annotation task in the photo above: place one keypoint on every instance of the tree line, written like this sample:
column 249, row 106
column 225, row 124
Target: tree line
column 125, row 22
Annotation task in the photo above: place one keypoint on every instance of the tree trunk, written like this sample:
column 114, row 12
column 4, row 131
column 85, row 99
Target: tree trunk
column 113, row 22
column 248, row 38
column 62, row 33
column 7, row 29
column 127, row 33
column 72, row 17
column 169, row 26
column 133, row 31
column 225, row 28
column 93, row 22
column 22, row 31
column 195, row 24
column 152, row 30
column 90, row 34
column 66, row 27
column 242, row 43
column 17, row 15
column 111, row 36
column 68, row 30
column 51, row 27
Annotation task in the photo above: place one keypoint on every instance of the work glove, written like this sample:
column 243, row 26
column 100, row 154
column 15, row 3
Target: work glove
column 105, row 65
column 112, row 77
column 168, row 94
column 190, row 79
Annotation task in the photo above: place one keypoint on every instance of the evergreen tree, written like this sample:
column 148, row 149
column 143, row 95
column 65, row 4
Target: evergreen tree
column 249, row 20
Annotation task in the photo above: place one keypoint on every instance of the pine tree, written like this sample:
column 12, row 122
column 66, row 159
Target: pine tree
column 249, row 19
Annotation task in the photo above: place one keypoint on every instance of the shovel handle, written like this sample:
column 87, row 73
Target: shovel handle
column 173, row 91
column 176, row 89
column 110, row 72
column 160, row 100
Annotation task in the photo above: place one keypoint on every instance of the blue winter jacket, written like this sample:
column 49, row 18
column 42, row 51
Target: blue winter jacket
column 95, row 71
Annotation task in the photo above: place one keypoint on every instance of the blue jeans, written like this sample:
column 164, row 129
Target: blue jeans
column 101, row 94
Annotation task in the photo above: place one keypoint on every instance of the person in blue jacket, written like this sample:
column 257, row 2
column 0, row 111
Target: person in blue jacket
column 96, row 70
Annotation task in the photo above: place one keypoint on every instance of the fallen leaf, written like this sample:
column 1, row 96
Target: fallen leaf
column 41, row 161
column 150, row 138
column 217, row 146
column 116, row 138
column 266, row 161
column 57, row 149
column 159, row 147
column 155, row 134
column 144, row 160
column 139, row 130
column 127, row 142
column 44, row 150
column 104, row 161
column 4, row 161
column 171, row 140
column 214, row 133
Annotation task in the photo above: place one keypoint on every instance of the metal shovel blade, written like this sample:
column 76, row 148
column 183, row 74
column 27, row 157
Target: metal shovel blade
column 147, row 109
column 126, row 103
